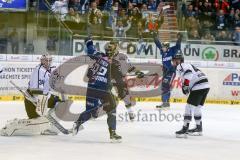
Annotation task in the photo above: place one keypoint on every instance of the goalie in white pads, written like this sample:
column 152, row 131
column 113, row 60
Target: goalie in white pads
column 195, row 83
column 39, row 89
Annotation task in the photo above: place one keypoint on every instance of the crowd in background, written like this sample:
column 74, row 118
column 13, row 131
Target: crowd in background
column 213, row 20
column 206, row 20
column 118, row 18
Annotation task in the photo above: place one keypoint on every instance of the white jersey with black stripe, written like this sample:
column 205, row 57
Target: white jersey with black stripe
column 40, row 79
column 198, row 80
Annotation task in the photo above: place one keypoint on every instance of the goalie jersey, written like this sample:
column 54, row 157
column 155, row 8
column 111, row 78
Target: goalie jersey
column 40, row 79
column 197, row 79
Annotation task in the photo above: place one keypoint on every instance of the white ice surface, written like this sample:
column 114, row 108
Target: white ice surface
column 141, row 140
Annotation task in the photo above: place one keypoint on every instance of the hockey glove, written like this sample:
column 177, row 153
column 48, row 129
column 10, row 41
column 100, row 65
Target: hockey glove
column 179, row 36
column 139, row 74
column 88, row 41
column 185, row 87
column 122, row 93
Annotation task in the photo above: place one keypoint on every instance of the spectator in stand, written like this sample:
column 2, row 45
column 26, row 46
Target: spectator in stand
column 152, row 24
column 108, row 6
column 189, row 12
column 144, row 11
column 60, row 7
column 138, row 3
column 236, row 21
column 222, row 36
column 194, row 35
column 101, row 3
column 222, row 5
column 130, row 9
column 115, row 9
column 236, row 36
column 136, row 18
column 14, row 41
column 208, row 38
column 192, row 24
column 119, row 30
column 206, row 25
column 94, row 12
column 231, row 18
column 51, row 43
column 3, row 39
column 207, row 11
column 152, row 5
column 96, row 28
column 123, row 16
column 81, row 6
column 199, row 4
column 124, row 3
column 221, row 21
column 73, row 16
column 71, row 3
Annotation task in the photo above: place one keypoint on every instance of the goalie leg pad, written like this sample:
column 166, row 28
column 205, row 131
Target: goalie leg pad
column 25, row 127
column 42, row 103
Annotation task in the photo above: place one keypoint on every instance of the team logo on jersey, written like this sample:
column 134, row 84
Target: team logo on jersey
column 232, row 79
column 210, row 53
column 7, row 1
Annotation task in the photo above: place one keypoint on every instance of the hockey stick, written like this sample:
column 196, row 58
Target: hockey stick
column 25, row 94
column 53, row 121
column 133, row 75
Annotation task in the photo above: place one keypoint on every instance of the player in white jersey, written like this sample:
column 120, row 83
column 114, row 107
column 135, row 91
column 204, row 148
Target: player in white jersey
column 127, row 67
column 39, row 89
column 195, row 84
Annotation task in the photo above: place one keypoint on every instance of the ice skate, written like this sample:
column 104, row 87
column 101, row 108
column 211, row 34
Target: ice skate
column 197, row 131
column 76, row 128
column 182, row 133
column 164, row 106
column 114, row 137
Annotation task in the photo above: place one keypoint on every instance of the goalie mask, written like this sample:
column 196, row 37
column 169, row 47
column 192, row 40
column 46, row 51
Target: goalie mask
column 46, row 60
column 111, row 48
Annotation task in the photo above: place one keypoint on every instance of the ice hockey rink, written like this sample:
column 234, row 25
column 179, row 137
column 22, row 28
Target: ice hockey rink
column 142, row 139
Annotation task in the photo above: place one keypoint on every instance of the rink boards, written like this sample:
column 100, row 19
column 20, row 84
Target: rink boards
column 224, row 79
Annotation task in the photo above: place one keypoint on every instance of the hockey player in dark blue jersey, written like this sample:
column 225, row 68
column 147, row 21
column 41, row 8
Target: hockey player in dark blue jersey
column 167, row 53
column 99, row 98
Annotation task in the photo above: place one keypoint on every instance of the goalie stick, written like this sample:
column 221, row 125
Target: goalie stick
column 25, row 94
column 51, row 119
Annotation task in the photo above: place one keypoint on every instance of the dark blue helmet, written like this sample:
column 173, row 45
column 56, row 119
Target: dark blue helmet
column 178, row 55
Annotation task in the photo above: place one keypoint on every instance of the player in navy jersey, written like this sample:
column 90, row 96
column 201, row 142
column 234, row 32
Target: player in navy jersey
column 167, row 53
column 99, row 97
